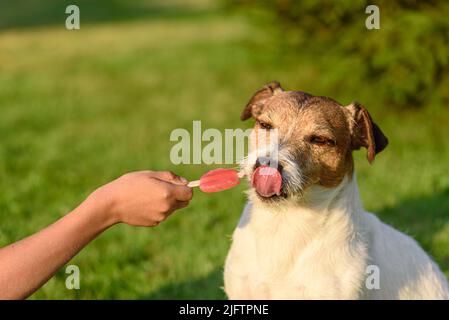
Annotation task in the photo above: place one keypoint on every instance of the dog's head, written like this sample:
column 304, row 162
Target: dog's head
column 308, row 139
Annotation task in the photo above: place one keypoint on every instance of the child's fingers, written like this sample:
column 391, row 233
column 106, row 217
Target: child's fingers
column 181, row 204
column 169, row 176
column 182, row 193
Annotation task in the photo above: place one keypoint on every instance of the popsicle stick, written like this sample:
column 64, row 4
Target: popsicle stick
column 195, row 183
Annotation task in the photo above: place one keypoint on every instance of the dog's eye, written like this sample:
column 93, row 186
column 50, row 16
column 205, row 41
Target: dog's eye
column 265, row 125
column 319, row 140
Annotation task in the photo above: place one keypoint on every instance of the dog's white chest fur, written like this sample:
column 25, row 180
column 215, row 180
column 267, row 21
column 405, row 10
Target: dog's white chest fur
column 326, row 251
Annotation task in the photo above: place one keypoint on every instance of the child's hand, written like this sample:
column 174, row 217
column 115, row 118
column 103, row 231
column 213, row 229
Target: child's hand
column 143, row 198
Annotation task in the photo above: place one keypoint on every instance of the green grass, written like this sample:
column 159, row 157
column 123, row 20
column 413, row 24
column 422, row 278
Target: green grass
column 82, row 107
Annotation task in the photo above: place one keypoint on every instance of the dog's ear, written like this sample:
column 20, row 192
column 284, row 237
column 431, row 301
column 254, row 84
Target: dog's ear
column 256, row 103
column 365, row 133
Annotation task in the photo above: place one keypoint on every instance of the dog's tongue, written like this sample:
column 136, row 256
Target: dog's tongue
column 267, row 181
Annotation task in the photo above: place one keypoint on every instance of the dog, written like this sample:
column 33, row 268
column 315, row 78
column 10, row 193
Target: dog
column 311, row 239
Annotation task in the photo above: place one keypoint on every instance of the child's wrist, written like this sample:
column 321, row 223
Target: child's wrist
column 102, row 205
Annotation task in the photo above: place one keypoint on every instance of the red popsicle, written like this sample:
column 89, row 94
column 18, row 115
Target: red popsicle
column 217, row 180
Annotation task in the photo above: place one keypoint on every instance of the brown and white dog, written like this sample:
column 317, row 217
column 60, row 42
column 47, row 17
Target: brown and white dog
column 312, row 239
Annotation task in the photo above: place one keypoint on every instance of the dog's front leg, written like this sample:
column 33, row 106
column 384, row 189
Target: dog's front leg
column 236, row 287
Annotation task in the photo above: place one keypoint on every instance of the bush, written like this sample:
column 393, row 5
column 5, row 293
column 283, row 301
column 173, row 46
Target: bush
column 406, row 62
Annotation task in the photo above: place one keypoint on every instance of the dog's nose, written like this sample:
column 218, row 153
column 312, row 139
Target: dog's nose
column 262, row 161
column 266, row 162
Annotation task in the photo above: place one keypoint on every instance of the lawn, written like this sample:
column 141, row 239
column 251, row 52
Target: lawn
column 79, row 108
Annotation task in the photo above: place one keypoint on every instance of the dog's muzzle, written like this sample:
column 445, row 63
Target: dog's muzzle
column 267, row 178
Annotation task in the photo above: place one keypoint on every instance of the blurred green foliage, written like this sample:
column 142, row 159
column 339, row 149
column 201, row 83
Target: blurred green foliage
column 405, row 62
column 79, row 108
